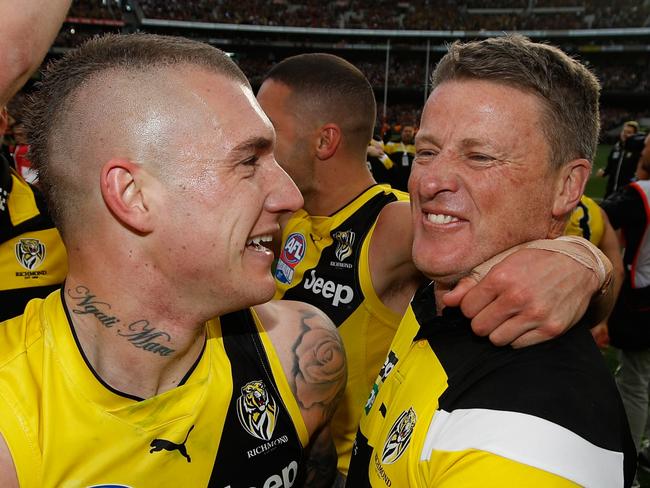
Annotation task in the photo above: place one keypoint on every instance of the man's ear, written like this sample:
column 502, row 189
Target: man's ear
column 570, row 186
column 124, row 194
column 329, row 140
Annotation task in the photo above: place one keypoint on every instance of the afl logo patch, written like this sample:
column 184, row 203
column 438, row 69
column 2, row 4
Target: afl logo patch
column 291, row 255
column 257, row 410
column 399, row 436
column 30, row 253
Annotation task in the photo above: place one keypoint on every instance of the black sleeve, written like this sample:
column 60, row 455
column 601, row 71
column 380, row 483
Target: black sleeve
column 624, row 208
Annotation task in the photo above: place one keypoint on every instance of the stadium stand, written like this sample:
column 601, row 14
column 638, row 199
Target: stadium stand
column 260, row 34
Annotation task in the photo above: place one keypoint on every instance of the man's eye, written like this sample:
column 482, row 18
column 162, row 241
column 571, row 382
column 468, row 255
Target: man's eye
column 481, row 158
column 252, row 161
column 425, row 154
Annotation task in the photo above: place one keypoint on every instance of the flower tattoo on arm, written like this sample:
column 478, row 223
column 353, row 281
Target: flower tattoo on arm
column 319, row 369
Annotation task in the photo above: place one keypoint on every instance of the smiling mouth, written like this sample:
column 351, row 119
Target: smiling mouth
column 258, row 243
column 441, row 218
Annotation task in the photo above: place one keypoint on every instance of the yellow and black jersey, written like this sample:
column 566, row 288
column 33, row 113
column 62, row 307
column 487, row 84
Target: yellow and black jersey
column 324, row 262
column 450, row 409
column 232, row 421
column 33, row 261
column 586, row 221
column 402, row 156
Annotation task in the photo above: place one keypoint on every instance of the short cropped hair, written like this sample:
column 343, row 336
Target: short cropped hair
column 632, row 123
column 334, row 89
column 47, row 116
column 568, row 90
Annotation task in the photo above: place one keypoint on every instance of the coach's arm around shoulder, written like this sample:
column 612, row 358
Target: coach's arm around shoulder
column 314, row 363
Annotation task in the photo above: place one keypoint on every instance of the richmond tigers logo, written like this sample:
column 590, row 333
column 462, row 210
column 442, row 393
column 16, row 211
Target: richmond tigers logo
column 399, row 436
column 257, row 410
column 344, row 242
column 30, row 253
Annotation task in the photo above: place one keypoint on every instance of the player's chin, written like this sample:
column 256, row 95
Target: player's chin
column 263, row 287
column 444, row 267
column 256, row 268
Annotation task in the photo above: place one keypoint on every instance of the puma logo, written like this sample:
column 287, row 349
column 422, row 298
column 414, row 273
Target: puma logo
column 160, row 444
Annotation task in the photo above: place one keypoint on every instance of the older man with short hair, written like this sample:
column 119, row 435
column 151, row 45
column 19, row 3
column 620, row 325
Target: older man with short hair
column 503, row 153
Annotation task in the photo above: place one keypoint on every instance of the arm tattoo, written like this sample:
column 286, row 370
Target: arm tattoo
column 319, row 370
column 320, row 468
column 339, row 482
column 140, row 333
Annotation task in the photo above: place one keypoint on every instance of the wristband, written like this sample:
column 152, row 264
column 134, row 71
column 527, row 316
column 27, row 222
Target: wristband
column 594, row 259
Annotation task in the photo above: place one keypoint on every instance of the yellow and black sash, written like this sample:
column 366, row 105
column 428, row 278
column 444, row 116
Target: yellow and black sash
column 259, row 440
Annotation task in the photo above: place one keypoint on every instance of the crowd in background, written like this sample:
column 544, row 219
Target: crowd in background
column 413, row 14
column 384, row 14
column 616, row 74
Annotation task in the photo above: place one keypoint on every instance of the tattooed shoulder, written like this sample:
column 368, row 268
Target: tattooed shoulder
column 319, row 369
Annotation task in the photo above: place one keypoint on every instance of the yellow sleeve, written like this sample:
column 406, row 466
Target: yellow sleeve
column 486, row 470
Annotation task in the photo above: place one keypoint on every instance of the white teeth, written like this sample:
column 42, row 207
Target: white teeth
column 441, row 218
column 257, row 240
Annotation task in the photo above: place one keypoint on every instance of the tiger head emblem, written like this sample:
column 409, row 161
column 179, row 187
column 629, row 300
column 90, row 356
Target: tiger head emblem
column 344, row 242
column 399, row 436
column 30, row 253
column 257, row 410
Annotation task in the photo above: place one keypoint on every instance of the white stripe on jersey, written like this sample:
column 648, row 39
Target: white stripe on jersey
column 525, row 439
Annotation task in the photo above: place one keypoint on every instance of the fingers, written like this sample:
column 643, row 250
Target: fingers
column 530, row 338
column 455, row 296
column 498, row 296
column 526, row 299
column 496, row 321
column 521, row 332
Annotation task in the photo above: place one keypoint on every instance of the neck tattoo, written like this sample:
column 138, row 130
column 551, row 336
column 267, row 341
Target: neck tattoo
column 140, row 333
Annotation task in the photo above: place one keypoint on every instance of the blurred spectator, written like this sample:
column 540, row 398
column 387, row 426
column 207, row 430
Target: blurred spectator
column 623, row 158
column 380, row 165
column 629, row 322
column 401, row 154
column 19, row 152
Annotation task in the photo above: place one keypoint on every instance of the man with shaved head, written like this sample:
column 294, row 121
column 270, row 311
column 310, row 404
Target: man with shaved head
column 158, row 362
column 348, row 251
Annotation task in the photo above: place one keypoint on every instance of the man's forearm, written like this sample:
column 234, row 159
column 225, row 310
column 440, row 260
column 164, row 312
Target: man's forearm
column 321, row 462
column 27, row 30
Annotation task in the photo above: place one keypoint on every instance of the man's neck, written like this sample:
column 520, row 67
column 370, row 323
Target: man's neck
column 336, row 185
column 136, row 350
column 439, row 290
